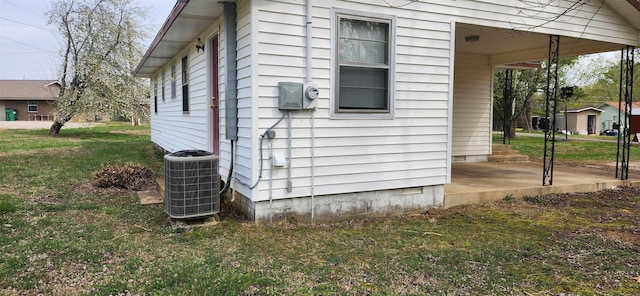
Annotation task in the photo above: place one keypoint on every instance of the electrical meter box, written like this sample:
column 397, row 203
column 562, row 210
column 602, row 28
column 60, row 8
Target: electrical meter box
column 290, row 95
column 311, row 94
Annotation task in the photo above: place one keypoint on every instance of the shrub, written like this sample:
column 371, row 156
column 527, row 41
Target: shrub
column 130, row 176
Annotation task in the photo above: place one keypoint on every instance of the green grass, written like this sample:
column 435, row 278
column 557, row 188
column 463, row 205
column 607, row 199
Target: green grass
column 574, row 149
column 59, row 236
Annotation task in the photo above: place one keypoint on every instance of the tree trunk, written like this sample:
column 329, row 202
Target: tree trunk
column 54, row 130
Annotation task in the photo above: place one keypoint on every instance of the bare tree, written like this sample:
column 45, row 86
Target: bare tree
column 102, row 41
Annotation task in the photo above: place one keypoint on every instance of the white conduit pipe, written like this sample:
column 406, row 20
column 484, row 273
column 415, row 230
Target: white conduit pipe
column 271, row 184
column 233, row 165
column 289, row 184
column 312, row 165
column 309, row 59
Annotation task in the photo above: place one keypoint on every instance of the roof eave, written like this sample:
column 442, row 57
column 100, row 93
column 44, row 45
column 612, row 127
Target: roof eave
column 175, row 12
column 187, row 20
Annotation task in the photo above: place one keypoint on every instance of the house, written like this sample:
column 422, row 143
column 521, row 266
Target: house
column 611, row 112
column 31, row 99
column 325, row 109
column 583, row 121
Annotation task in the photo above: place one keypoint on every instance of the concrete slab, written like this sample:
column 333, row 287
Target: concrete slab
column 485, row 181
column 150, row 197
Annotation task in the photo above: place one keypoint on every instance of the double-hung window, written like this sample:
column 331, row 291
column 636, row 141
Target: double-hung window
column 173, row 81
column 364, row 65
column 163, row 81
column 32, row 106
column 155, row 95
column 185, row 83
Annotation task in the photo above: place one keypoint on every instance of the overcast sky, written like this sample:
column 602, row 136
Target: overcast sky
column 30, row 49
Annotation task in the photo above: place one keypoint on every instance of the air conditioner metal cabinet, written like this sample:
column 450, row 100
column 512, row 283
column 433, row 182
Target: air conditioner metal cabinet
column 192, row 186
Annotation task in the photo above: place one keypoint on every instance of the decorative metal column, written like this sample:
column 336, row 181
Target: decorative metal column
column 507, row 99
column 627, row 58
column 551, row 107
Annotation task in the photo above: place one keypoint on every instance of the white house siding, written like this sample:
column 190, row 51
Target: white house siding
column 410, row 149
column 608, row 117
column 174, row 130
column 471, row 129
column 171, row 128
column 354, row 155
column 363, row 155
column 591, row 20
column 245, row 150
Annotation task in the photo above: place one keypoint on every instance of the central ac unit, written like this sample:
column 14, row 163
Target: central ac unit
column 192, row 187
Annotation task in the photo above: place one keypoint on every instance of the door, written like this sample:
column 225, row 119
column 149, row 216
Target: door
column 591, row 124
column 214, row 101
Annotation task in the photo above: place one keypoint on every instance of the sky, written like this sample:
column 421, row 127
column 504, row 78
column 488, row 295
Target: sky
column 30, row 48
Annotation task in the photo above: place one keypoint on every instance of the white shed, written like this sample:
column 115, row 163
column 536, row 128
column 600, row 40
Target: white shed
column 404, row 90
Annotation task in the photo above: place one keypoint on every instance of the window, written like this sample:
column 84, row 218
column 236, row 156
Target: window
column 32, row 106
column 185, row 84
column 173, row 81
column 163, row 80
column 364, row 71
column 155, row 96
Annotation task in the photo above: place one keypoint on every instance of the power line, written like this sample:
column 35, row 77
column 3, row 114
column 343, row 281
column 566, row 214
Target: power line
column 25, row 24
column 25, row 44
column 25, row 9
column 26, row 52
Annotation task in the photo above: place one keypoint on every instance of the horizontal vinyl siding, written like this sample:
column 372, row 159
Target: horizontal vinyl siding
column 354, row 155
column 360, row 154
column 471, row 106
column 173, row 129
column 245, row 150
column 603, row 24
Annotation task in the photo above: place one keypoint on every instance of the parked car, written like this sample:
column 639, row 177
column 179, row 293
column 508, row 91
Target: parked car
column 609, row 132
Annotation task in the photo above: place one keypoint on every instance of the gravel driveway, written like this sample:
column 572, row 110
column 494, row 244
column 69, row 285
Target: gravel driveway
column 41, row 124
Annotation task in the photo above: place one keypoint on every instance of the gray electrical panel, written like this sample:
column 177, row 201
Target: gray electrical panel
column 290, row 95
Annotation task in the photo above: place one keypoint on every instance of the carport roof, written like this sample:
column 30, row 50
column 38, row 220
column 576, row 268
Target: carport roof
column 190, row 17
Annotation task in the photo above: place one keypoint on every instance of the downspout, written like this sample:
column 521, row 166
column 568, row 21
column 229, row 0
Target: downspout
column 231, row 84
column 309, row 59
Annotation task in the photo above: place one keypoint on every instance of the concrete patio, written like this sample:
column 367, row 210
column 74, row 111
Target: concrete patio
column 487, row 181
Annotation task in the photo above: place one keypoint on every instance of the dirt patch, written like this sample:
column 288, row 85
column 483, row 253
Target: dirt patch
column 40, row 151
column 133, row 132
column 4, row 125
column 631, row 237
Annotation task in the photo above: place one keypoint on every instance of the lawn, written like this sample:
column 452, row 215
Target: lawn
column 577, row 148
column 61, row 236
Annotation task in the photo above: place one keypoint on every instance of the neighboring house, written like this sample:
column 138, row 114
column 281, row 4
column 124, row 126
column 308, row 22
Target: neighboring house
column 404, row 90
column 611, row 112
column 32, row 99
column 584, row 121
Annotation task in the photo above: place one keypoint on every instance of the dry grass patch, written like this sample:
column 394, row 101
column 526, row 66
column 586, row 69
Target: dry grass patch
column 130, row 177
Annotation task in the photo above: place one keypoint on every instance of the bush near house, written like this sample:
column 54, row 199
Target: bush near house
column 60, row 236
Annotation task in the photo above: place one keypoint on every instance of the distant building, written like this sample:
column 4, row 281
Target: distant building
column 584, row 121
column 31, row 99
column 611, row 111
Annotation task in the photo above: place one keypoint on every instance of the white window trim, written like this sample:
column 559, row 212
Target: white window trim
column 335, row 14
column 29, row 105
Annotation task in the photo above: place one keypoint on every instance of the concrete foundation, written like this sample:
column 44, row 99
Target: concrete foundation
column 344, row 206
